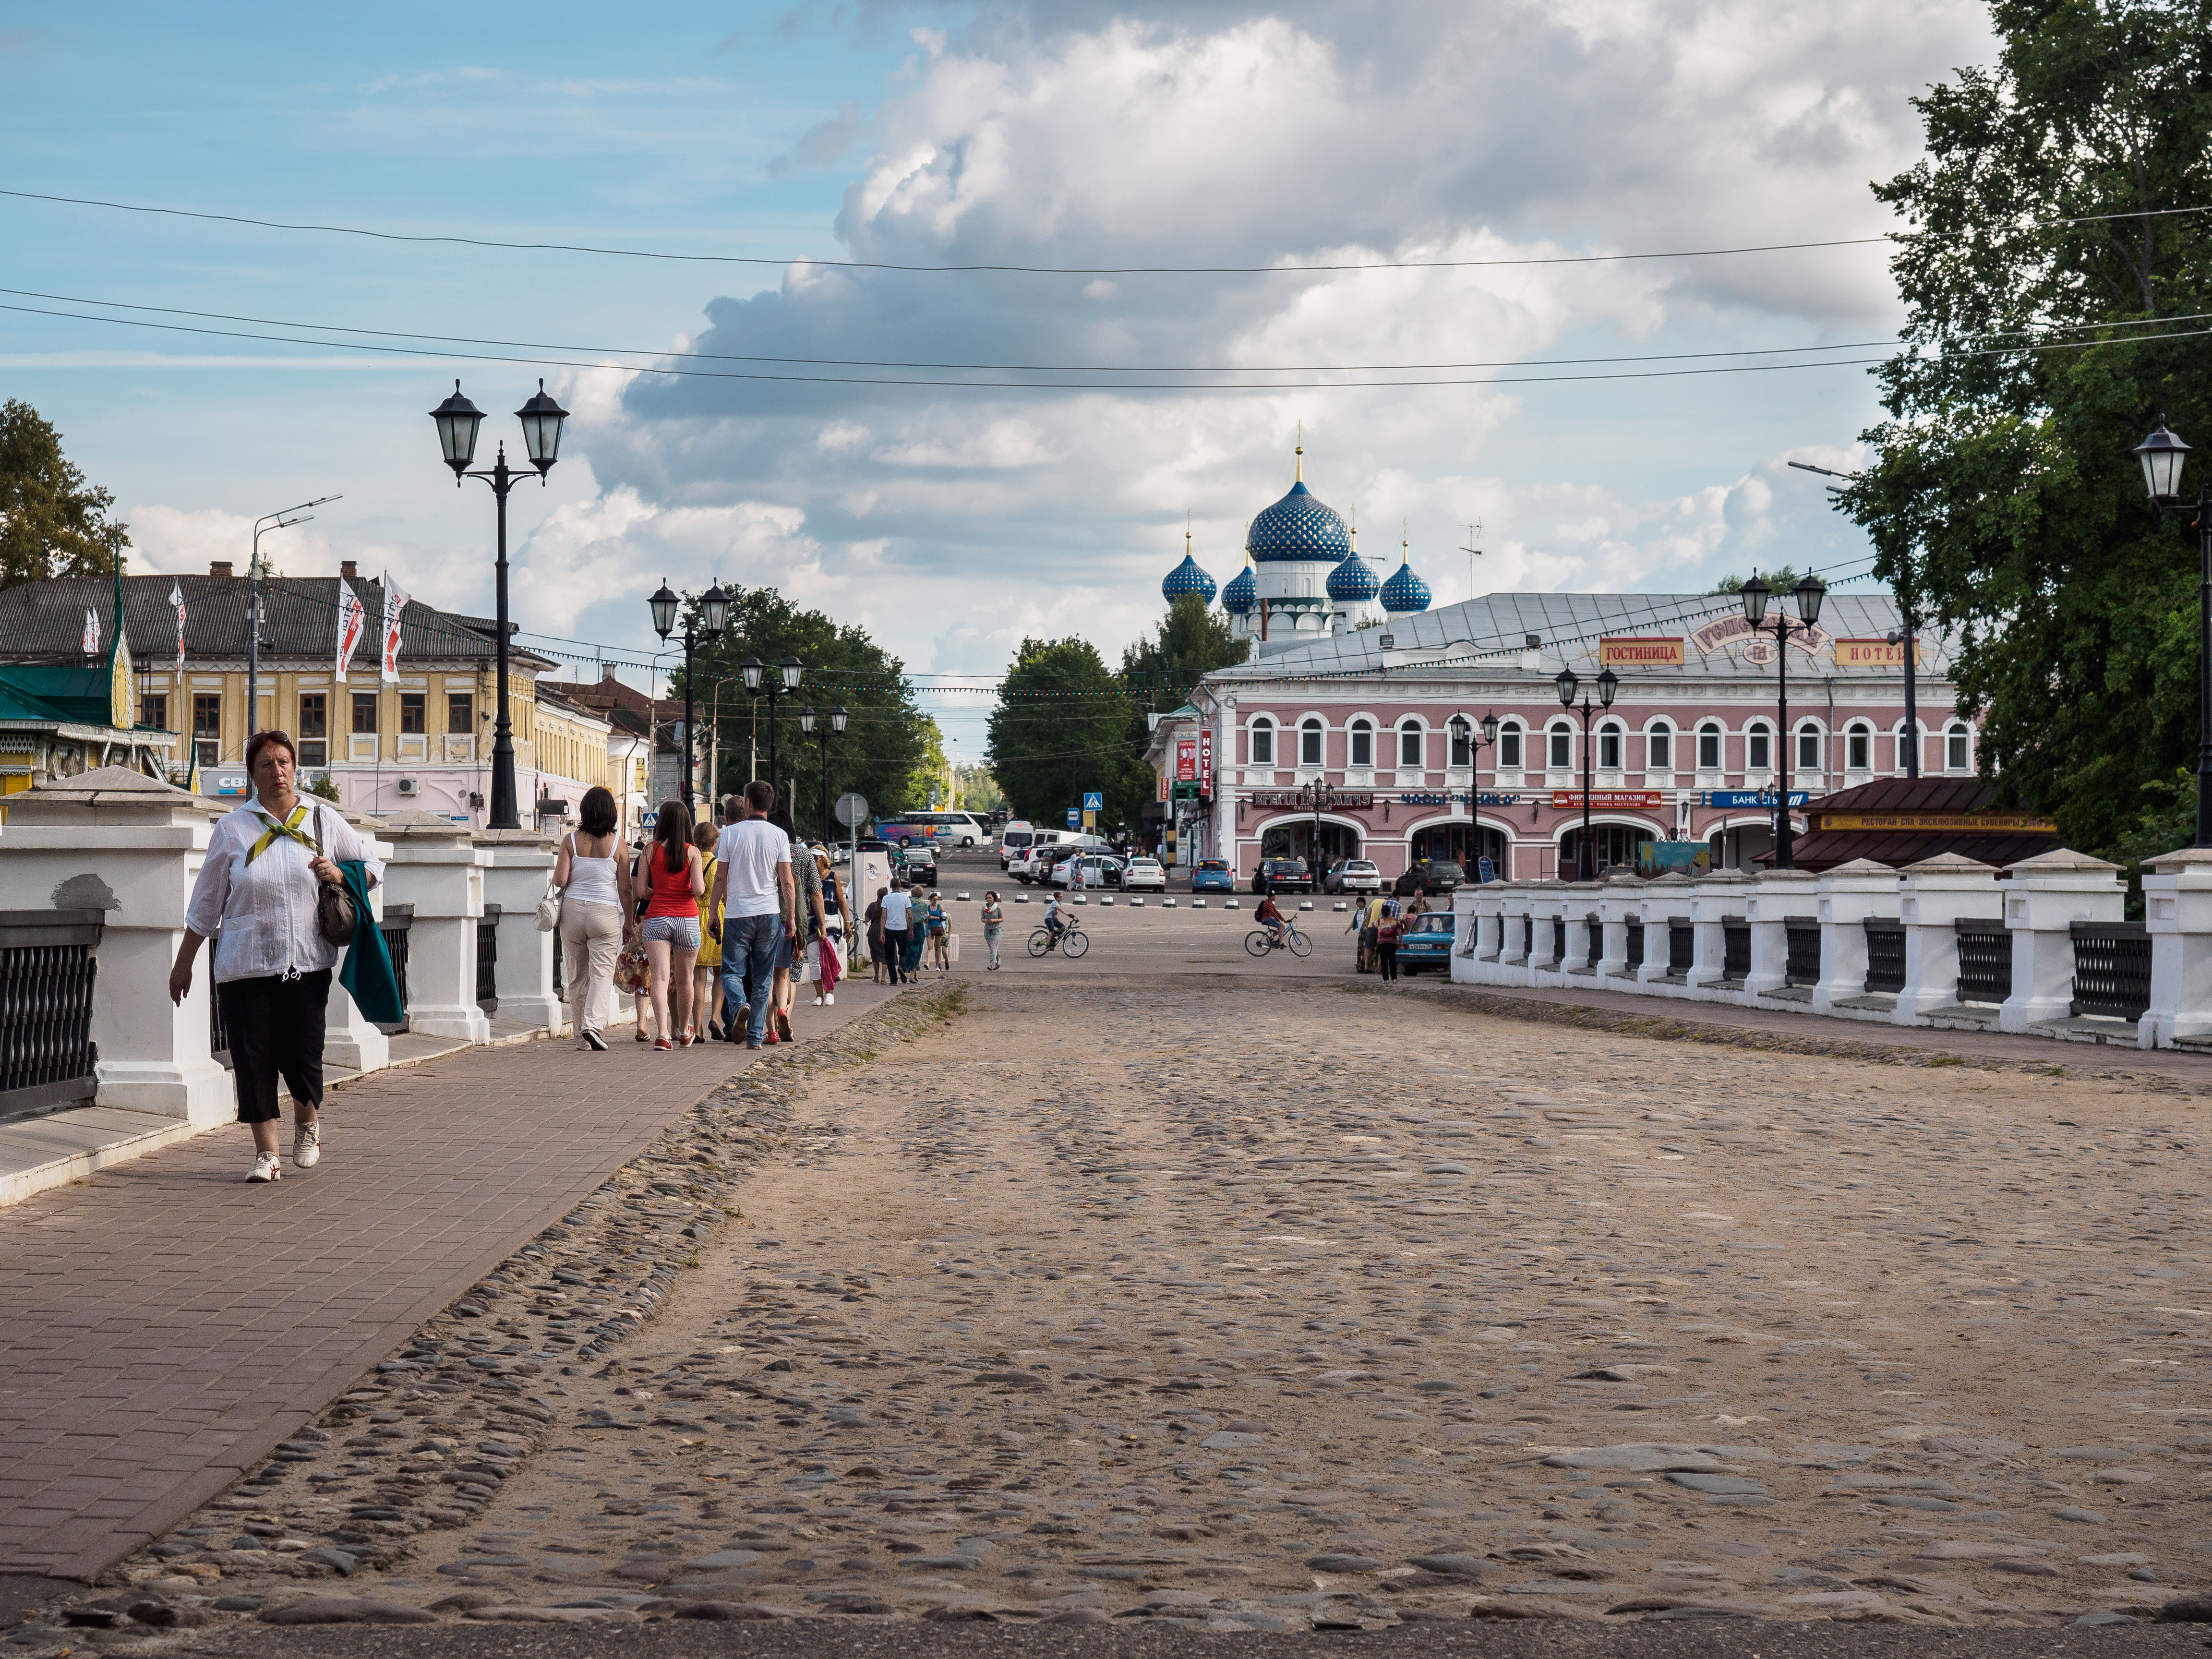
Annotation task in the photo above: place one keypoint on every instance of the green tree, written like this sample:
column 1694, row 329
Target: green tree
column 930, row 784
column 979, row 790
column 883, row 738
column 1780, row 581
column 1164, row 668
column 52, row 522
column 2054, row 256
column 1061, row 727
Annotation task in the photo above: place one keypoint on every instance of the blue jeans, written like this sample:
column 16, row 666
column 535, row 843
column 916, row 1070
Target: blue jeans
column 749, row 946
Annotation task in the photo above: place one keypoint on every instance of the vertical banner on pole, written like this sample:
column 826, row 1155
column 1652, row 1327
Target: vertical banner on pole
column 395, row 605
column 352, row 622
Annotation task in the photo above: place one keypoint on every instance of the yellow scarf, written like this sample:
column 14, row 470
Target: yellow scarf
column 289, row 828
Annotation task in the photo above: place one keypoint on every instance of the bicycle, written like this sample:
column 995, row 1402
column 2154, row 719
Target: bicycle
column 1072, row 942
column 1260, row 941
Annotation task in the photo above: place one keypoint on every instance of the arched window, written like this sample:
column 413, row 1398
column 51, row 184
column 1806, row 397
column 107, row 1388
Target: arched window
column 1609, row 746
column 1858, row 747
column 1462, row 741
column 1509, row 746
column 1659, row 748
column 1757, row 755
column 1708, row 747
column 1263, row 741
column 1563, row 745
column 1363, row 743
column 1310, row 743
column 1409, row 744
column 1905, row 741
column 1957, row 755
column 1809, row 748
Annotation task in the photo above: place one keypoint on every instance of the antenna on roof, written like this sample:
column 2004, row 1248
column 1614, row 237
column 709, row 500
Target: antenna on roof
column 1473, row 552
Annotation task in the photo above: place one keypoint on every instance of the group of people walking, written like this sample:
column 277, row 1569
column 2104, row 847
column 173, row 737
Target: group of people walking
column 906, row 932
column 1379, row 921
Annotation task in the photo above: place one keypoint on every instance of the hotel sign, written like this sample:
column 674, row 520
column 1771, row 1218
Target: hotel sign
column 1733, row 633
column 1639, row 654
column 1875, row 654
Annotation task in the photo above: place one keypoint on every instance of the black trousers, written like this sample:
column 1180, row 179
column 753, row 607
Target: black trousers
column 895, row 952
column 276, row 1028
column 1389, row 956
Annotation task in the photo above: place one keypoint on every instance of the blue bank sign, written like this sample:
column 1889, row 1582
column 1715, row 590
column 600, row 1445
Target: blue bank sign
column 1765, row 797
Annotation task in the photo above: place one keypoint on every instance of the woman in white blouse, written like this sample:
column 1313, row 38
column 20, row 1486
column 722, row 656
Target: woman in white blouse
column 256, row 897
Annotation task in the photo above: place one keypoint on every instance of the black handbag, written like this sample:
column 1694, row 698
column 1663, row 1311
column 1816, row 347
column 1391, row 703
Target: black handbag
column 337, row 915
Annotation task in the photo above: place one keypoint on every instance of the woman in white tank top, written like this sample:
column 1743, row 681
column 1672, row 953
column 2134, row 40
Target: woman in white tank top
column 597, row 912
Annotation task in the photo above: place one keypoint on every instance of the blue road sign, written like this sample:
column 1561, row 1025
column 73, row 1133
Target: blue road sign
column 1094, row 800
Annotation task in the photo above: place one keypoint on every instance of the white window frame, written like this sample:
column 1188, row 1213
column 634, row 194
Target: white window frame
column 1659, row 746
column 1558, row 738
column 1510, row 752
column 1711, row 732
column 1361, row 738
column 1313, row 733
column 1411, row 726
column 1808, row 734
column 1756, row 736
column 1258, row 735
column 1858, row 747
column 1959, row 741
column 1460, row 751
column 1612, row 745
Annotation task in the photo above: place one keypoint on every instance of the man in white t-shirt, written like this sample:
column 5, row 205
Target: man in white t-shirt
column 898, row 917
column 753, row 894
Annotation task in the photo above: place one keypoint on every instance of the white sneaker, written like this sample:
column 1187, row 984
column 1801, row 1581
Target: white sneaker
column 829, row 1001
column 267, row 1166
column 307, row 1144
column 817, row 1002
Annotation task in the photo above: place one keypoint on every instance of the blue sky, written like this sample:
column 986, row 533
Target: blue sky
column 953, row 522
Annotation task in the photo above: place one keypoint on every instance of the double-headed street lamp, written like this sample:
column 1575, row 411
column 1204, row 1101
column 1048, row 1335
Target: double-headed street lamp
column 1810, row 592
column 1566, row 684
column 2163, row 456
column 713, row 617
column 458, row 420
column 283, row 519
column 836, row 728
column 785, row 678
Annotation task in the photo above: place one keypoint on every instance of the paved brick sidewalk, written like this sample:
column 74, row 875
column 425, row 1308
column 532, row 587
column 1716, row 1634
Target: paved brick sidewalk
column 166, row 1323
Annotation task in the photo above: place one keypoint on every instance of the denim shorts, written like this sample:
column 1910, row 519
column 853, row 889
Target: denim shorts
column 681, row 932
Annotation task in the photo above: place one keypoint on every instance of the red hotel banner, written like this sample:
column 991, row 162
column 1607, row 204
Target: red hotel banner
column 1639, row 654
column 1205, row 759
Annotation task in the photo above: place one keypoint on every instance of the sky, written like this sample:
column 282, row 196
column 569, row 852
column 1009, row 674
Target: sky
column 1259, row 142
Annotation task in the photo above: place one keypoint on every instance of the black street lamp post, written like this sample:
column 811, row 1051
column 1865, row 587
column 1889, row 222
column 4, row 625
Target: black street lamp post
column 713, row 617
column 1566, row 684
column 541, row 420
column 1810, row 592
column 2163, row 456
column 785, row 678
column 836, row 728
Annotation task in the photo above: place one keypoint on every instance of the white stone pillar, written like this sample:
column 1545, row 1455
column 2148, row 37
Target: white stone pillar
column 1579, row 902
column 1665, row 897
column 1619, row 902
column 434, row 867
column 1716, row 899
column 2044, row 895
column 1489, row 908
column 1513, row 945
column 2178, row 914
column 521, row 864
column 130, row 847
column 348, row 1039
column 1779, row 897
column 1933, row 897
column 1847, row 897
column 1545, row 905
column 1466, row 926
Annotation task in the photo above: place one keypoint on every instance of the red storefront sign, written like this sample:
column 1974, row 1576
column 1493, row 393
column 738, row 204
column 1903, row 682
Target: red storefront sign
column 1185, row 760
column 1205, row 760
column 1599, row 800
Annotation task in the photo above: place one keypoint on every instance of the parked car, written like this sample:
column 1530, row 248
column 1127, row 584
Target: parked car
column 1426, row 942
column 1100, row 870
column 1212, row 876
column 920, row 862
column 1353, row 876
column 1148, row 875
column 1282, row 876
column 1434, row 876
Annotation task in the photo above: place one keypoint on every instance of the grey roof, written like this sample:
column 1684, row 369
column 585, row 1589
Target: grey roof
column 43, row 621
column 1486, row 636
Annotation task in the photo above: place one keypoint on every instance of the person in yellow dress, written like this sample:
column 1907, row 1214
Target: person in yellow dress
column 707, row 972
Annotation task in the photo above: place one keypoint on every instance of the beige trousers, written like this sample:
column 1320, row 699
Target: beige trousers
column 591, row 937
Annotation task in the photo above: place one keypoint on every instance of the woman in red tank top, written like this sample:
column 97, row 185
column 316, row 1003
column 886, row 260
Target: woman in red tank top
column 675, row 878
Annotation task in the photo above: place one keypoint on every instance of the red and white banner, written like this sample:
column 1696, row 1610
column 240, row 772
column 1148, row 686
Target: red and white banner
column 395, row 603
column 1205, row 760
column 1185, row 760
column 177, row 599
column 91, row 632
column 353, row 622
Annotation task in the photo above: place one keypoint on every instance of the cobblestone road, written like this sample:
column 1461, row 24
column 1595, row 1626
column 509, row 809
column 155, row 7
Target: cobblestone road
column 1259, row 1307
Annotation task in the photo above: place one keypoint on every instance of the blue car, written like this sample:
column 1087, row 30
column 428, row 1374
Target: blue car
column 1427, row 943
column 1212, row 876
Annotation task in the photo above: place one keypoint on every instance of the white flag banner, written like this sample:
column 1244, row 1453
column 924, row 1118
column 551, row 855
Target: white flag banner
column 353, row 622
column 91, row 632
column 395, row 602
column 177, row 599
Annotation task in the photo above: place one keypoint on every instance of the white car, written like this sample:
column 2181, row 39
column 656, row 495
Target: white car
column 1354, row 876
column 1144, row 875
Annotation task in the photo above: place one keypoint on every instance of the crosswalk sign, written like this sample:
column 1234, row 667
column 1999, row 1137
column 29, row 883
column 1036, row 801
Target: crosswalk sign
column 1094, row 800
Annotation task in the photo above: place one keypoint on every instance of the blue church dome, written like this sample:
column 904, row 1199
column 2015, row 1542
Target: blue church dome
column 1353, row 581
column 1241, row 593
column 1300, row 527
column 1405, row 592
column 1187, row 578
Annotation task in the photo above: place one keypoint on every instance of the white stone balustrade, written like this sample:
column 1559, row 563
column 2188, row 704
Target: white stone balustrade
column 1486, row 904
column 2178, row 914
column 349, row 1040
column 1619, row 905
column 1513, row 945
column 521, row 863
column 435, row 868
column 1578, row 902
column 1665, row 900
column 1777, row 899
column 1846, row 898
column 2044, row 895
column 1545, row 905
column 1716, row 899
column 1934, row 896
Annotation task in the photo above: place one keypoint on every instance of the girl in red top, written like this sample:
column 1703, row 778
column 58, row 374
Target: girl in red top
column 676, row 878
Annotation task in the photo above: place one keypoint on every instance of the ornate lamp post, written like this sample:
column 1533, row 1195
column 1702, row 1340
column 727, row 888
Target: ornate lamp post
column 1810, row 592
column 541, row 420
column 1566, row 684
column 2163, row 456
column 785, row 678
column 713, row 617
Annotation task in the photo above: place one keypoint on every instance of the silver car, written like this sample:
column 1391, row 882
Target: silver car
column 1146, row 875
column 1353, row 876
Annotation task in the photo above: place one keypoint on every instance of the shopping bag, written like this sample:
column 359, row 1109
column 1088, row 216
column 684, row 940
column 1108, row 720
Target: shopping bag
column 832, row 969
column 632, row 972
column 951, row 947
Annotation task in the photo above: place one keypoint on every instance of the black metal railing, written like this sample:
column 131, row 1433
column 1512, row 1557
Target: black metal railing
column 2111, row 969
column 48, row 965
column 399, row 919
column 1682, row 947
column 1985, row 960
column 1885, row 942
column 1735, row 950
column 1802, row 966
column 1635, row 947
column 488, row 960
